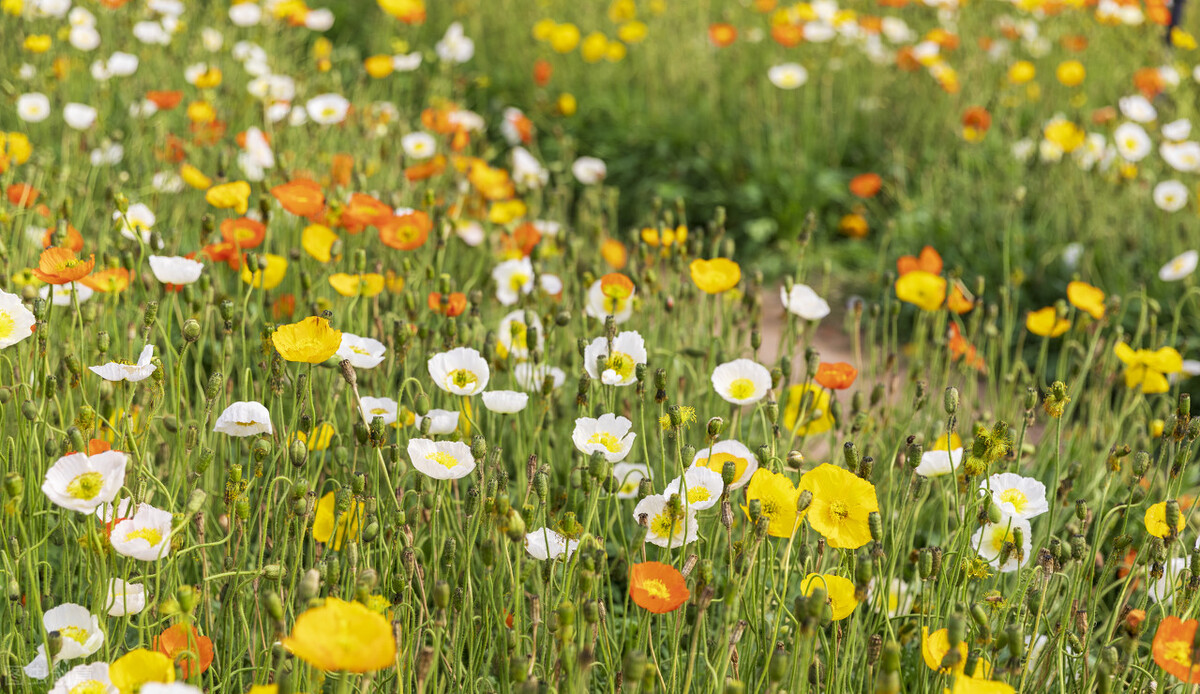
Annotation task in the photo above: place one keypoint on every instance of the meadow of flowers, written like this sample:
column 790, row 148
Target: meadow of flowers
column 329, row 364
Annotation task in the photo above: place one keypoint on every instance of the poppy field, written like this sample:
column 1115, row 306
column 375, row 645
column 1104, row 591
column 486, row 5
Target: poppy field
column 635, row 346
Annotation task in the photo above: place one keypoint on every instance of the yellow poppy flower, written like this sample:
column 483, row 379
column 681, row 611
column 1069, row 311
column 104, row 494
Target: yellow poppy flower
column 349, row 522
column 1046, row 323
column 817, row 417
column 342, row 636
column 38, row 43
column 317, row 240
column 311, row 341
column 234, row 195
column 368, row 284
column 1156, row 521
column 778, row 497
column 594, row 47
column 316, row 440
column 841, row 505
column 922, row 289
column 715, row 276
column 379, row 66
column 1086, row 298
column 1148, row 370
column 564, row 38
column 17, row 148
column 978, row 685
column 201, row 112
column 1070, row 73
column 137, row 667
column 267, row 278
column 194, row 177
column 1021, row 72
column 935, row 646
column 506, row 211
column 839, row 592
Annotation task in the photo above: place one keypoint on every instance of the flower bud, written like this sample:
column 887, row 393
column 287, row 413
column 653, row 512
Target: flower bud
column 715, row 425
column 950, row 401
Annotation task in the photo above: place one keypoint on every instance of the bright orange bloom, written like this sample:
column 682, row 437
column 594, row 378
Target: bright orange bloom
column 906, row 60
column 1149, row 82
column 455, row 304
column 341, row 169
column 866, row 185
column 542, row 72
column 961, row 349
column 1075, row 42
column 1173, row 648
column 787, row 35
column 363, row 211
column 60, row 266
column 524, row 238
column 171, row 150
column 426, row 169
column 165, row 100
column 300, row 196
column 976, row 122
column 406, row 232
column 243, row 232
column 110, row 280
column 186, row 647
column 657, row 587
column 614, row 285
column 958, row 301
column 836, row 375
column 614, row 253
column 74, row 239
column 22, row 195
column 929, row 261
column 722, row 34
column 223, row 252
column 438, row 119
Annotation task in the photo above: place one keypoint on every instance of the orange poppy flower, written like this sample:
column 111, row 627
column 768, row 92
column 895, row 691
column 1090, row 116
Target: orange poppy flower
column 206, row 134
column 223, row 252
column 836, row 375
column 906, row 60
column 171, row 150
column 406, row 232
column 866, row 185
column 542, row 72
column 363, row 211
column 165, row 100
column 1075, row 42
column 524, row 238
column 22, row 195
column 438, row 119
column 300, row 196
column 426, row 169
column 787, row 35
column 284, row 307
column 657, row 587
column 454, row 305
column 958, row 301
column 60, row 266
column 185, row 646
column 722, row 34
column 111, row 280
column 341, row 169
column 976, row 122
column 243, row 232
column 74, row 239
column 929, row 261
column 1149, row 82
column 960, row 348
column 614, row 285
column 614, row 253
column 1173, row 648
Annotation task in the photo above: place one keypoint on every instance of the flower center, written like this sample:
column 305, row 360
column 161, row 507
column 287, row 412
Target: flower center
column 360, row 350
column 78, row 634
column 622, row 363
column 444, row 459
column 999, row 537
column 1014, row 497
column 86, row 486
column 379, row 410
column 839, row 510
column 698, row 493
column 665, row 526
column 656, row 589
column 7, row 324
column 246, row 424
column 150, row 535
column 89, row 687
column 462, row 378
column 741, row 388
column 609, row 441
column 1179, row 652
column 517, row 281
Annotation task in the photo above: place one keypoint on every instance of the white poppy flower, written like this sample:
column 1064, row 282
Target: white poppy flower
column 1170, row 196
column 513, row 278
column 629, row 476
column 1163, row 590
column 407, row 63
column 362, row 352
column 532, row 377
column 550, row 284
column 461, row 371
column 741, row 381
column 512, row 335
column 455, row 47
column 939, row 462
column 788, row 75
column 81, row 637
column 91, row 678
column 1179, row 267
column 79, row 482
column 107, row 154
column 84, row 37
column 699, row 488
column 527, row 171
column 804, row 302
column 170, row 269
column 327, row 109
column 245, row 14
column 745, row 463
column 989, row 542
column 33, row 107
column 124, row 598
column 145, row 536
column 505, row 401
column 244, row 418
column 589, row 170
column 61, row 294
column 1177, row 129
column 1137, row 108
column 153, row 33
column 385, row 408
column 137, row 221
column 1023, row 497
column 211, row 39
column 600, row 306
column 469, row 231
column 898, row 600
column 544, row 544
column 1181, row 156
column 418, row 145
column 441, row 422
column 117, row 371
column 121, row 64
column 79, row 116
column 617, row 367
column 662, row 528
column 441, row 460
column 16, row 321
column 609, row 434
column 1133, row 144
column 319, row 20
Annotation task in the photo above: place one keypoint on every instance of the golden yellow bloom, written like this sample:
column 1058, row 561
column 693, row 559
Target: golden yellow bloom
column 194, row 177
column 715, row 276
column 778, row 498
column 817, row 417
column 838, row 590
column 1156, row 521
column 1046, row 323
column 1148, row 370
column 1070, row 73
column 633, row 32
column 379, row 66
column 1086, row 298
column 234, row 195
column 621, row 11
column 368, row 284
column 349, row 521
column 1021, row 72
column 1068, row 136
column 201, row 112
column 137, row 667
column 1183, row 39
column 543, row 28
column 922, row 289
column 316, row 440
column 506, row 211
column 311, row 341
column 594, row 47
column 564, row 38
column 209, row 78
column 317, row 240
column 38, row 43
column 342, row 636
column 268, row 278
column 841, row 505
column 615, row 52
column 16, row 147
column 935, row 646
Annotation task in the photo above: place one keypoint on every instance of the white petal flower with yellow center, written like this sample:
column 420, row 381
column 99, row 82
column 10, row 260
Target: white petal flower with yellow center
column 418, row 145
column 124, row 598
column 990, row 540
column 804, row 302
column 386, row 408
column 1179, row 267
column 629, row 476
column 461, row 371
column 441, row 422
column 533, row 377
column 80, row 632
column 589, row 170
column 146, row 536
column 441, row 460
column 699, row 488
column 616, row 366
column 513, row 278
column 545, row 544
column 664, row 527
column 16, row 321
column 327, row 109
column 122, row 371
column 505, row 401
column 66, row 294
column 513, row 335
column 244, row 418
column 80, row 482
column 361, row 352
column 175, row 269
column 1023, row 497
column 745, row 463
column 741, row 381
column 609, row 434
column 91, row 678
column 600, row 307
